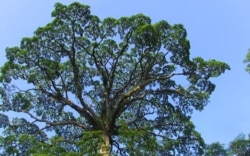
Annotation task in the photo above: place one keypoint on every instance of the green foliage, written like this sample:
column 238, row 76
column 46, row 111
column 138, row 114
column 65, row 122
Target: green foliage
column 247, row 61
column 216, row 149
column 137, row 140
column 51, row 147
column 90, row 142
column 83, row 77
column 13, row 145
column 240, row 146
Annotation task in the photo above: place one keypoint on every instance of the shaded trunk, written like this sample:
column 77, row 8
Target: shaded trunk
column 105, row 147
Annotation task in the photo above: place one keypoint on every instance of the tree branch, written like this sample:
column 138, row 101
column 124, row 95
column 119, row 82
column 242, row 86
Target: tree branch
column 60, row 123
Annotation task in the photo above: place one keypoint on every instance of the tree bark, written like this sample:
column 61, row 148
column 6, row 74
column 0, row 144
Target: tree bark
column 105, row 146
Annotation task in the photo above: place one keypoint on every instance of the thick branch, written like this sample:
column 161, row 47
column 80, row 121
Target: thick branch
column 125, row 101
column 60, row 123
column 79, row 89
column 59, row 98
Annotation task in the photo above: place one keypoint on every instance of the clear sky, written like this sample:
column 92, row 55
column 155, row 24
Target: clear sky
column 217, row 29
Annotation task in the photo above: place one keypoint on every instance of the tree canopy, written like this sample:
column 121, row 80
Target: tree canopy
column 240, row 146
column 83, row 85
column 216, row 149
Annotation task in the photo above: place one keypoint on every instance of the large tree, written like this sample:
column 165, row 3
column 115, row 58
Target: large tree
column 86, row 85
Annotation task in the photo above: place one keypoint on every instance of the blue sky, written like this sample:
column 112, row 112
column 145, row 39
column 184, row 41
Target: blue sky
column 216, row 30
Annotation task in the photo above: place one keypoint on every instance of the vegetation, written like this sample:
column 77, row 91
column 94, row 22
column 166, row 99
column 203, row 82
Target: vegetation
column 216, row 149
column 124, row 86
column 240, row 146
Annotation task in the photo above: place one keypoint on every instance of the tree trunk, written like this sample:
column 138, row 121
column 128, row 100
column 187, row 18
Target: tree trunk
column 105, row 147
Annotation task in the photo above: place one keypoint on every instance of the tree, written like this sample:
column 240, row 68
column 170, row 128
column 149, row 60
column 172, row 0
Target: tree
column 216, row 149
column 240, row 146
column 125, row 86
column 247, row 61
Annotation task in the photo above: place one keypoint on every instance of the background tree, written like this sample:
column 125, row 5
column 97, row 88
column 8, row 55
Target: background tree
column 240, row 146
column 121, row 85
column 216, row 149
column 247, row 61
